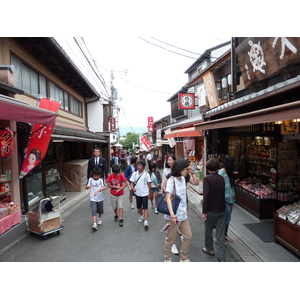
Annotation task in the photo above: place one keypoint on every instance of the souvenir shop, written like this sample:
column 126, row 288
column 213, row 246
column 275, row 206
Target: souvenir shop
column 190, row 145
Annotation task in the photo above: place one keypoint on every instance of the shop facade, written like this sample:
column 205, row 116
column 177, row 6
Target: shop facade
column 259, row 125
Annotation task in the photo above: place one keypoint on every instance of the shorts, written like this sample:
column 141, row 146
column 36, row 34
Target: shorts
column 97, row 207
column 141, row 202
column 155, row 189
column 117, row 201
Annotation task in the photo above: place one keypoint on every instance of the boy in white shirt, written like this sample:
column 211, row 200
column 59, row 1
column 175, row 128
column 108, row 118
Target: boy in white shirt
column 140, row 183
column 97, row 187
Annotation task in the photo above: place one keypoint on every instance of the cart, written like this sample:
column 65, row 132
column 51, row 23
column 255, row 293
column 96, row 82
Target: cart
column 45, row 218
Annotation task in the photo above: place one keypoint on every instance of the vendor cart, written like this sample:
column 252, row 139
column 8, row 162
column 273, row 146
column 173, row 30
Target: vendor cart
column 45, row 218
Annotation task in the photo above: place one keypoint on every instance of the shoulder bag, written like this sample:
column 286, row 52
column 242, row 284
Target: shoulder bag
column 162, row 206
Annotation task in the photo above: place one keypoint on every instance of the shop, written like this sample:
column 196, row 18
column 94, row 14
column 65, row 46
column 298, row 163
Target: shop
column 190, row 145
column 14, row 112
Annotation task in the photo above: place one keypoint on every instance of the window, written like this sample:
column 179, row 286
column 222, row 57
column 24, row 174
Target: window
column 28, row 80
column 59, row 95
column 76, row 107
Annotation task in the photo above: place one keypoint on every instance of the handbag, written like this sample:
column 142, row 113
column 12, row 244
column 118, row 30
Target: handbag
column 162, row 206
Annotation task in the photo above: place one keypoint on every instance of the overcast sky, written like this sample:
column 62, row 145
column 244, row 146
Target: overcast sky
column 147, row 71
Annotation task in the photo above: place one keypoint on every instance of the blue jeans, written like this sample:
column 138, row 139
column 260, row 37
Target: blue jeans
column 229, row 207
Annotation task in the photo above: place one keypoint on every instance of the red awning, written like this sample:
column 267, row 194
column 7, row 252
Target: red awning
column 14, row 110
column 185, row 132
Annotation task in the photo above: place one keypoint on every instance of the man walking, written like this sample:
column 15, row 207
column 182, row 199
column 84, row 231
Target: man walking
column 97, row 162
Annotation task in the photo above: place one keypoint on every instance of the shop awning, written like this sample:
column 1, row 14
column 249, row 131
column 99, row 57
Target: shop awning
column 282, row 112
column 14, row 110
column 74, row 135
column 185, row 132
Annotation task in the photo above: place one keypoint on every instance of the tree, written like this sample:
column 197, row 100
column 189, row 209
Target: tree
column 129, row 140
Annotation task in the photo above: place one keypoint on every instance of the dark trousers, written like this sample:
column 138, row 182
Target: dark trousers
column 216, row 220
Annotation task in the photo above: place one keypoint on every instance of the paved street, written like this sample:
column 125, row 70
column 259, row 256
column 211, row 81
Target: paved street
column 111, row 243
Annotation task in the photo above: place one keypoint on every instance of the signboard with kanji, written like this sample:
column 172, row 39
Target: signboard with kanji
column 186, row 100
column 262, row 57
column 150, row 124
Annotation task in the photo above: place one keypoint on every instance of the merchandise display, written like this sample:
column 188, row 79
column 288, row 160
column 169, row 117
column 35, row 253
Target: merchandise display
column 290, row 213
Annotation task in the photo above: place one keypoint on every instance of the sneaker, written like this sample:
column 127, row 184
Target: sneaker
column 131, row 206
column 99, row 221
column 121, row 222
column 174, row 250
column 185, row 260
column 141, row 219
column 94, row 227
column 156, row 211
column 146, row 225
column 116, row 218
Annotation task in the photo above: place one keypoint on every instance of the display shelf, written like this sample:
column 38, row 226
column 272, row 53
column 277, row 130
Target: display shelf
column 260, row 208
column 2, row 193
column 54, row 186
column 287, row 234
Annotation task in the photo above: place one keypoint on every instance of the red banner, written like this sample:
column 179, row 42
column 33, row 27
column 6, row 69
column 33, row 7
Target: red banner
column 7, row 143
column 146, row 142
column 150, row 124
column 39, row 139
column 112, row 124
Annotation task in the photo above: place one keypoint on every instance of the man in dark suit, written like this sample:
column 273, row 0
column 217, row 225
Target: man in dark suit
column 97, row 161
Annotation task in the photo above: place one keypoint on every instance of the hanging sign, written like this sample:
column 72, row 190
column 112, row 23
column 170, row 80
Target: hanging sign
column 39, row 139
column 7, row 143
column 150, row 124
column 186, row 100
column 112, row 122
column 146, row 142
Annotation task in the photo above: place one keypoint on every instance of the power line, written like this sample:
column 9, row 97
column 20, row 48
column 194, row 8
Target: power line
column 175, row 46
column 168, row 49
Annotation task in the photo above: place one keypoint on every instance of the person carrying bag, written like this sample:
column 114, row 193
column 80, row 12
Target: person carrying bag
column 177, row 219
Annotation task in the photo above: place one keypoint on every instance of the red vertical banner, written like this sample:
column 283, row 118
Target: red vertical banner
column 150, row 124
column 39, row 139
column 146, row 142
column 112, row 122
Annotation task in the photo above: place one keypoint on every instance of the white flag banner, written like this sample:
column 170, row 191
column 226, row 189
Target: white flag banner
column 171, row 141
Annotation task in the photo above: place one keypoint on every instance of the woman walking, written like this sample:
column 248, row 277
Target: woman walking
column 227, row 173
column 179, row 220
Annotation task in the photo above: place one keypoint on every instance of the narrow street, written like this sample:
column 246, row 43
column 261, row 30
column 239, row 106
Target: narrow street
column 111, row 243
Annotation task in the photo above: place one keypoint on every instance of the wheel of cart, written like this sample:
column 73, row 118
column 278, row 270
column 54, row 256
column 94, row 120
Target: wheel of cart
column 46, row 218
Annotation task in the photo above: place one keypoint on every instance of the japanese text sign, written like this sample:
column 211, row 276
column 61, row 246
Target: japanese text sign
column 150, row 124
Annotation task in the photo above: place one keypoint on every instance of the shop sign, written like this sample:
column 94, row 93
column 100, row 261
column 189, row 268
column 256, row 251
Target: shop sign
column 112, row 124
column 171, row 141
column 150, row 124
column 211, row 91
column 146, row 142
column 289, row 127
column 7, row 143
column 39, row 139
column 262, row 57
column 186, row 100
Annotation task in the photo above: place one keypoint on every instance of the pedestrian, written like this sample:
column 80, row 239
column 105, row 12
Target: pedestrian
column 170, row 159
column 227, row 173
column 149, row 158
column 213, row 208
column 97, row 187
column 123, row 163
column 97, row 161
column 116, row 159
column 117, row 182
column 128, row 172
column 128, row 158
column 155, row 184
column 178, row 221
column 140, row 183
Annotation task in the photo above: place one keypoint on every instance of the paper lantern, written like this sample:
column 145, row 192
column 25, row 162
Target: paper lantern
column 7, row 143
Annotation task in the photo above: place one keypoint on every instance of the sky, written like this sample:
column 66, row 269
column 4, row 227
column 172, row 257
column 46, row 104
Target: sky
column 145, row 74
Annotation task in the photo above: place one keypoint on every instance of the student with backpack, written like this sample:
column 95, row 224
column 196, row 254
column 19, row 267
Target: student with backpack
column 128, row 172
column 155, row 184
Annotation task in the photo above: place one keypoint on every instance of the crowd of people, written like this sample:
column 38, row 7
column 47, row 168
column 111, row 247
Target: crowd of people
column 130, row 171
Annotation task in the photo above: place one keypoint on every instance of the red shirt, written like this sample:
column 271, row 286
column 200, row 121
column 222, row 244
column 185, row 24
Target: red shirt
column 116, row 181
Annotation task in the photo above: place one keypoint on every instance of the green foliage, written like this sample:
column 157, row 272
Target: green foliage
column 129, row 140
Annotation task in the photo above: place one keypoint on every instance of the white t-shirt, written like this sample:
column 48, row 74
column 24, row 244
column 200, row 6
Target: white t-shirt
column 96, row 185
column 181, row 192
column 141, row 187
column 149, row 156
